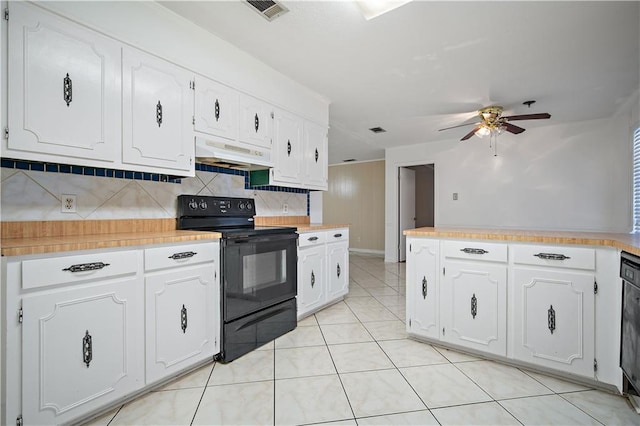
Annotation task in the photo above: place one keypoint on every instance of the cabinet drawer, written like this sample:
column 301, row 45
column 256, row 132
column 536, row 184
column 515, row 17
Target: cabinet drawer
column 172, row 256
column 475, row 250
column 337, row 235
column 70, row 269
column 554, row 256
column 307, row 239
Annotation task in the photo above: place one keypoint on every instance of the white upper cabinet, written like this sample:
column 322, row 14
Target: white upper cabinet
column 157, row 114
column 288, row 147
column 315, row 164
column 256, row 121
column 216, row 109
column 64, row 90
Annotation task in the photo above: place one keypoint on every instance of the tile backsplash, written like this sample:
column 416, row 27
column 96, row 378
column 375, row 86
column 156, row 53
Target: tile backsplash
column 31, row 194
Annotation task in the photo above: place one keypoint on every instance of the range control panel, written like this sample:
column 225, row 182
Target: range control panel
column 198, row 205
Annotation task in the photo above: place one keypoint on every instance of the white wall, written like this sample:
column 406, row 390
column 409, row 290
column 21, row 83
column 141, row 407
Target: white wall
column 565, row 177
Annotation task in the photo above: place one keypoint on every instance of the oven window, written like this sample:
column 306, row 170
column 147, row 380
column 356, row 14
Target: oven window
column 263, row 270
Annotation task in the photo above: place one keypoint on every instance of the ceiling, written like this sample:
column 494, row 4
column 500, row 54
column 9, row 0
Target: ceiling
column 429, row 65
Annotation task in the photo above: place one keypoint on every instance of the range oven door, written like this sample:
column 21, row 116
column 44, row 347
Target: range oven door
column 257, row 272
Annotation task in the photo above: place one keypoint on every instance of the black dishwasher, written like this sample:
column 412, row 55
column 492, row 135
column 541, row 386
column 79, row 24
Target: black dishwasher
column 630, row 340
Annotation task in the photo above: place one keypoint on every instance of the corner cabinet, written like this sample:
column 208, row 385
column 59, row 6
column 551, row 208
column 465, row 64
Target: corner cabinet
column 323, row 269
column 84, row 330
column 157, row 113
column 64, row 90
column 423, row 302
column 555, row 308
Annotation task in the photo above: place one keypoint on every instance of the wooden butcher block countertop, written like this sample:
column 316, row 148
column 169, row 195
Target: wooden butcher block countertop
column 36, row 237
column 627, row 242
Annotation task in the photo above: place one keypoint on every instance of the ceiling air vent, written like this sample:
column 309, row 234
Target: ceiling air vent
column 268, row 9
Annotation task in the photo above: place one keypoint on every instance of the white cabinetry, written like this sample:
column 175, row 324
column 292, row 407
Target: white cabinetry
column 474, row 295
column 315, row 162
column 182, row 307
column 422, row 287
column 216, row 109
column 157, row 111
column 81, row 334
column 288, row 153
column 553, row 307
column 64, row 90
column 256, row 121
column 323, row 269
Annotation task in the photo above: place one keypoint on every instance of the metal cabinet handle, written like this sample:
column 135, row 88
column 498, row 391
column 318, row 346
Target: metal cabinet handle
column 288, row 148
column 183, row 319
column 67, row 89
column 474, row 250
column 86, row 267
column 551, row 319
column 183, row 255
column 216, row 110
column 338, row 270
column 424, row 287
column 317, row 155
column 337, row 235
column 312, row 238
column 313, row 279
column 159, row 114
column 552, row 256
column 256, row 122
column 474, row 306
column 87, row 348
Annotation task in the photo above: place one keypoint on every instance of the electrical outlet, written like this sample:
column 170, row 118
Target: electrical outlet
column 285, row 208
column 68, row 203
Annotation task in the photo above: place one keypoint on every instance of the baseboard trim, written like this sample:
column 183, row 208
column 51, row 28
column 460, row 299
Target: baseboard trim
column 366, row 251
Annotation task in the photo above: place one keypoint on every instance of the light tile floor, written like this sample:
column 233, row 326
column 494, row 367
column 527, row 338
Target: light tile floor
column 352, row 364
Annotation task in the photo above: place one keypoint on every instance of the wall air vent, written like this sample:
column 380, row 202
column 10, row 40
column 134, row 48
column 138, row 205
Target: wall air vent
column 377, row 130
column 268, row 9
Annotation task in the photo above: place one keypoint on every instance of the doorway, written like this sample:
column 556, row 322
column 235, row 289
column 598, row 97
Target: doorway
column 416, row 201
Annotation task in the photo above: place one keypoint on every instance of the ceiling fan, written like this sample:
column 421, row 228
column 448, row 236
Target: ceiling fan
column 492, row 122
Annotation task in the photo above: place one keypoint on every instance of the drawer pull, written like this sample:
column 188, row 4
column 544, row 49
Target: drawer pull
column 183, row 319
column 313, row 279
column 424, row 287
column 474, row 250
column 552, row 256
column 337, row 235
column 474, row 306
column 183, row 255
column 87, row 348
column 312, row 238
column 86, row 267
column 551, row 319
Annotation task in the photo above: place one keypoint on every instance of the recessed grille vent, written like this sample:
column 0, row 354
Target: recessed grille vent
column 268, row 9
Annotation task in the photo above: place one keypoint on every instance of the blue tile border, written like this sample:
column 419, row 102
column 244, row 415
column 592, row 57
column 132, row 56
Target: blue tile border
column 10, row 163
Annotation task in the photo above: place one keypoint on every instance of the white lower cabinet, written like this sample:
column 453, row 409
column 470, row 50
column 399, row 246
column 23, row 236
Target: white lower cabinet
column 77, row 326
column 554, row 314
column 182, row 314
column 474, row 305
column 423, row 303
column 323, row 269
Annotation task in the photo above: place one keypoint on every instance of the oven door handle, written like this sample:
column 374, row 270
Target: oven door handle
column 260, row 239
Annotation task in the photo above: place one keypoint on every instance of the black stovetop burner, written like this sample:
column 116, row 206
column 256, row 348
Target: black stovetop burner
column 231, row 216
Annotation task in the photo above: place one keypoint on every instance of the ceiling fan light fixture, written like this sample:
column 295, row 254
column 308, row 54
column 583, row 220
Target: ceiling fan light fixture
column 483, row 132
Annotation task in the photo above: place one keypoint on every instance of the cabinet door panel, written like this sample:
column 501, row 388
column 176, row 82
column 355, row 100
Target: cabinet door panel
column 474, row 305
column 422, row 290
column 158, row 107
column 256, row 121
column 311, row 284
column 64, row 95
column 61, row 380
column 182, row 309
column 338, row 270
column 288, row 148
column 216, row 109
column 315, row 156
column 554, row 319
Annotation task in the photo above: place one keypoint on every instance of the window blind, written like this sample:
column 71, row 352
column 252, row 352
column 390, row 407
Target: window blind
column 636, row 180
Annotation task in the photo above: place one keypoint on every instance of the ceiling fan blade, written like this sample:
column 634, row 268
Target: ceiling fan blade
column 471, row 133
column 513, row 129
column 528, row 116
column 459, row 125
